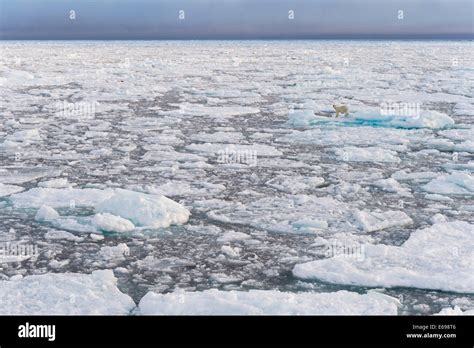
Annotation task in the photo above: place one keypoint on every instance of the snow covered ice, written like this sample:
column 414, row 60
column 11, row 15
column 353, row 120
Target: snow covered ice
column 266, row 302
column 438, row 257
column 159, row 181
column 61, row 294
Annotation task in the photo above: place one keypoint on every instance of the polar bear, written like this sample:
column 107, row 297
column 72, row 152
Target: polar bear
column 342, row 109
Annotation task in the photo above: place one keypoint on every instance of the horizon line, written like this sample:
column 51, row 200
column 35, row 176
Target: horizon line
column 446, row 37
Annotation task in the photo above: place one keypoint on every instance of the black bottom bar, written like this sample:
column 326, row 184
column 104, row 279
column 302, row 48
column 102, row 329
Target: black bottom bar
column 224, row 331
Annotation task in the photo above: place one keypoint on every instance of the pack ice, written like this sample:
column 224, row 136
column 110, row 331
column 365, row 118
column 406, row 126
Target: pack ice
column 221, row 138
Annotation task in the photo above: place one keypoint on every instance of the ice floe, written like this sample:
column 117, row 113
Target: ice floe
column 60, row 198
column 64, row 294
column 19, row 175
column 115, row 208
column 15, row 77
column 57, row 235
column 376, row 221
column 114, row 252
column 111, row 223
column 231, row 149
column 295, row 184
column 427, row 119
column 440, row 257
column 144, row 209
column 6, row 190
column 455, row 311
column 301, row 118
column 180, row 188
column 282, row 214
column 218, row 137
column 232, row 236
column 393, row 186
column 190, row 109
column 46, row 213
column 25, row 137
column 230, row 251
column 447, row 145
column 457, row 183
column 367, row 154
column 402, row 175
column 458, row 134
column 55, row 183
column 464, row 109
column 267, row 302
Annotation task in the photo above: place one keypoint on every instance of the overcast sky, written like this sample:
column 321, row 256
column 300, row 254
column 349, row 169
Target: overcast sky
column 235, row 19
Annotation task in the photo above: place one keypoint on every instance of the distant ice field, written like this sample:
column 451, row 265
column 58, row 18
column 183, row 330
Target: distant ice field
column 213, row 174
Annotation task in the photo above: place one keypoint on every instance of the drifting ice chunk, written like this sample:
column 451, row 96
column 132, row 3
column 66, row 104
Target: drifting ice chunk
column 212, row 111
column 229, row 251
column 218, row 137
column 309, row 225
column 464, row 109
column 401, row 175
column 13, row 77
column 266, row 302
column 458, row 134
column 180, row 188
column 111, row 223
column 355, row 136
column 440, row 144
column 46, row 213
column 283, row 214
column 76, row 224
column 456, row 183
column 454, row 167
column 446, row 145
column 64, row 294
column 232, row 236
column 392, row 185
column 301, row 118
column 440, row 257
column 170, row 155
column 54, row 235
column 374, row 221
column 101, row 152
column 55, row 183
column 19, row 175
column 439, row 198
column 144, row 209
column 60, row 198
column 366, row 154
column 438, row 218
column 6, row 190
column 235, row 150
column 25, row 136
column 455, row 311
column 466, row 146
column 223, row 278
column 140, row 208
column 114, row 252
column 166, row 264
column 295, row 184
column 428, row 119
column 204, row 229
